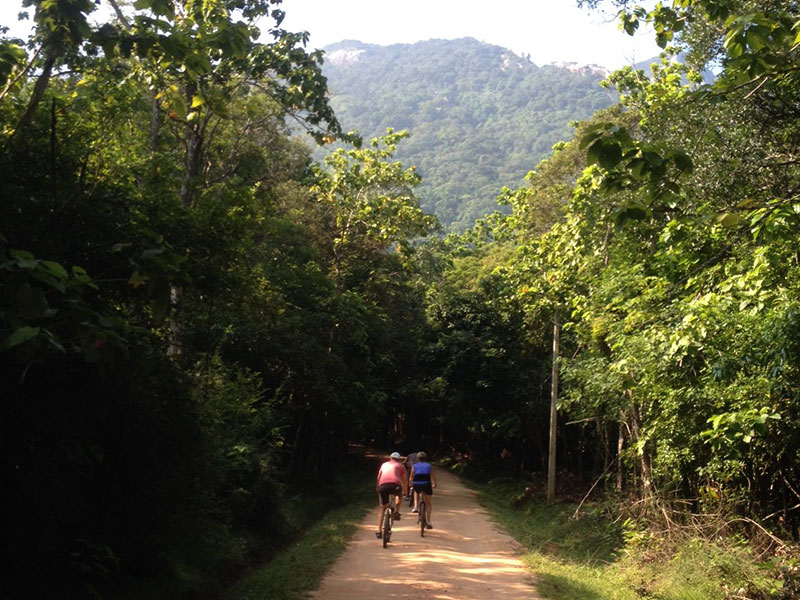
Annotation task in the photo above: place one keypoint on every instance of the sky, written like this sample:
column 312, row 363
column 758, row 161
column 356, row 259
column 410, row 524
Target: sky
column 548, row 30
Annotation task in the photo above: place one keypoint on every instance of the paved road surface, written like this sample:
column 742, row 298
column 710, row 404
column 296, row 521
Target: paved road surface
column 465, row 556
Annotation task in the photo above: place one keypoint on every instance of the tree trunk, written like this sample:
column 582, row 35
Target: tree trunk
column 194, row 151
column 120, row 15
column 54, row 151
column 38, row 93
column 602, row 436
column 620, row 447
column 551, row 462
column 155, row 122
column 194, row 144
column 174, row 341
column 647, row 479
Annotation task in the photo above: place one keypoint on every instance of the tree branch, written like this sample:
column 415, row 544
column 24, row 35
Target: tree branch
column 21, row 74
column 120, row 16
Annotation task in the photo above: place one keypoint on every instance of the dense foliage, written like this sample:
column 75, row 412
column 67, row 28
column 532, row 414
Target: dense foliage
column 664, row 238
column 192, row 313
column 480, row 117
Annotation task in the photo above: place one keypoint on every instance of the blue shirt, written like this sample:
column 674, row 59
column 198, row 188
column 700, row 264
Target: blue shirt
column 422, row 471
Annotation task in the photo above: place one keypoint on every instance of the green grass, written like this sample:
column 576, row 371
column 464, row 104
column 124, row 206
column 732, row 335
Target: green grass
column 570, row 558
column 319, row 515
column 299, row 568
column 595, row 558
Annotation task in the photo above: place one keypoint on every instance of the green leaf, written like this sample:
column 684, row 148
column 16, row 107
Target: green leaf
column 138, row 279
column 20, row 336
column 628, row 22
column 632, row 212
column 715, row 421
column 756, row 38
column 735, row 48
column 24, row 259
column 729, row 219
column 605, row 152
column 682, row 162
column 55, row 269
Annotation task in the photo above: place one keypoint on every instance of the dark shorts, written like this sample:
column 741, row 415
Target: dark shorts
column 389, row 488
column 423, row 486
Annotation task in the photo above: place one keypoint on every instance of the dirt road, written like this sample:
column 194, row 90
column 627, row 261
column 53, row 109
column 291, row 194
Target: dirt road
column 465, row 556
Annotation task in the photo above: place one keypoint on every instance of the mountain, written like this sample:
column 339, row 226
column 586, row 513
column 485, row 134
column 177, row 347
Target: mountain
column 480, row 116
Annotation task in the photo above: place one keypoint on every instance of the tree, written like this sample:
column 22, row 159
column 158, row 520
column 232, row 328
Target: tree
column 103, row 219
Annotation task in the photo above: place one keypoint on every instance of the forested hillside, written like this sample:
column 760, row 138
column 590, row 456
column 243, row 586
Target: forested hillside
column 480, row 117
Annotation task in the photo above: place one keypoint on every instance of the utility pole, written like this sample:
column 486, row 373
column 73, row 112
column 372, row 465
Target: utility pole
column 551, row 461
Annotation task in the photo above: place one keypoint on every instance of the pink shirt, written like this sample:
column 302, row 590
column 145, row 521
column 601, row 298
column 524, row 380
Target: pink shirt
column 392, row 472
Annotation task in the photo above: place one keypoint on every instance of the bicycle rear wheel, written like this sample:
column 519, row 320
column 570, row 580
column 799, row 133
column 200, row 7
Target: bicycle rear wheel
column 386, row 526
column 421, row 515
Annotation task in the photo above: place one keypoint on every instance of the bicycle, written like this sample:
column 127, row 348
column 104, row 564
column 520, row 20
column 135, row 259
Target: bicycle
column 422, row 518
column 388, row 519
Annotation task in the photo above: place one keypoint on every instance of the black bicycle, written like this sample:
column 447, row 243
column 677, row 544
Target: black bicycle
column 388, row 519
column 422, row 518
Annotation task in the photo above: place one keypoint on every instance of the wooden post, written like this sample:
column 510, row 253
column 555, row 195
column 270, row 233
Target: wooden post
column 551, row 463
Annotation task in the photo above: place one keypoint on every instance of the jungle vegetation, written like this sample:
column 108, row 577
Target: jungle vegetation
column 196, row 317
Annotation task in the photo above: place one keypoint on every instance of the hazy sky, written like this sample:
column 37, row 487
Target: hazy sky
column 548, row 30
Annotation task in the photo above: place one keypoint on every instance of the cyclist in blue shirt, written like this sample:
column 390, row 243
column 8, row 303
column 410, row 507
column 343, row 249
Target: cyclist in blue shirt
column 423, row 480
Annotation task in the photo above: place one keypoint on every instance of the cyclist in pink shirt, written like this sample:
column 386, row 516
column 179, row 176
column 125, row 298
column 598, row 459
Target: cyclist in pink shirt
column 392, row 479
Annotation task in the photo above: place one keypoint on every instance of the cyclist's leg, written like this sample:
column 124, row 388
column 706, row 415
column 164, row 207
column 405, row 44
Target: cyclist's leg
column 397, row 495
column 428, row 506
column 383, row 502
column 381, row 510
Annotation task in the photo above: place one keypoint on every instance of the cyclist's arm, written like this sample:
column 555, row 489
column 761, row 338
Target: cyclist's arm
column 433, row 477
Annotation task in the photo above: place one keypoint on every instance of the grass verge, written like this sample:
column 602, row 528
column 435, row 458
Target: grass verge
column 299, row 568
column 592, row 557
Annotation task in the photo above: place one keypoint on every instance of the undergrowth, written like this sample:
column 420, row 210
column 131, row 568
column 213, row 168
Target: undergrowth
column 300, row 568
column 317, row 516
column 598, row 553
column 326, row 516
